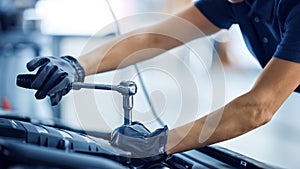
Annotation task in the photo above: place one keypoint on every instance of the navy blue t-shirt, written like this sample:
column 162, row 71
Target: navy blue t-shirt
column 270, row 28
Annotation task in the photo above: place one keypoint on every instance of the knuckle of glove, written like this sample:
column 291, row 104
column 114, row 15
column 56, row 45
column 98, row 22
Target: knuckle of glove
column 37, row 62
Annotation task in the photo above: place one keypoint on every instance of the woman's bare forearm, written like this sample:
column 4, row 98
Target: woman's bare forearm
column 245, row 113
column 148, row 42
column 234, row 119
column 121, row 52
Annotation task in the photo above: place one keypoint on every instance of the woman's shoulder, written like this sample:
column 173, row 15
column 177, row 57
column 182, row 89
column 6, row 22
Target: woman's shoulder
column 286, row 7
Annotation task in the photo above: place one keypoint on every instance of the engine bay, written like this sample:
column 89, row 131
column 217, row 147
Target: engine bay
column 26, row 144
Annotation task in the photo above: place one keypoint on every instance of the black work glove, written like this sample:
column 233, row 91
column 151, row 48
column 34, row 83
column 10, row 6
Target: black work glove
column 55, row 76
column 138, row 140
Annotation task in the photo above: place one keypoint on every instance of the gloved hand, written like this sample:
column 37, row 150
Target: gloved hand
column 138, row 140
column 55, row 76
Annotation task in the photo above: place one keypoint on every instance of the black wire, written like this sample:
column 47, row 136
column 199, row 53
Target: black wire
column 118, row 33
column 115, row 18
column 147, row 96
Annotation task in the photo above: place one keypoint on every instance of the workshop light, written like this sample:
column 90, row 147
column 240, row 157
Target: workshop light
column 73, row 17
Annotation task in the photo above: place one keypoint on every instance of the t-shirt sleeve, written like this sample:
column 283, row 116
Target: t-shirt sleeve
column 219, row 12
column 289, row 47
